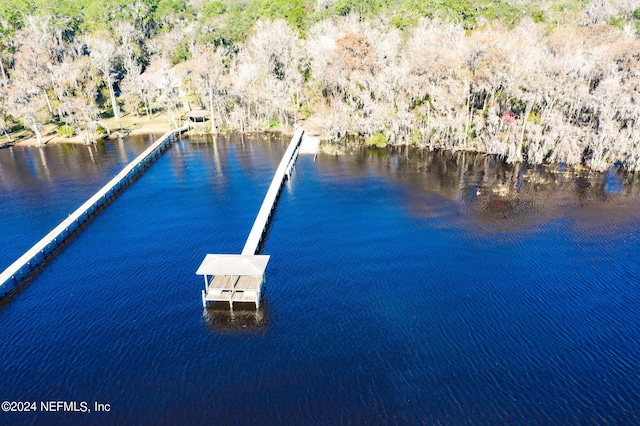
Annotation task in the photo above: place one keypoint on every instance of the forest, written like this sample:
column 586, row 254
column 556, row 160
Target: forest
column 543, row 81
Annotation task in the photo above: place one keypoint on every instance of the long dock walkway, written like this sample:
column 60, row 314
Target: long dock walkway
column 44, row 248
column 268, row 205
column 240, row 277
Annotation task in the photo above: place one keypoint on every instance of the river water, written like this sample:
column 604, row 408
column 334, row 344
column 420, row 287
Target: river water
column 404, row 287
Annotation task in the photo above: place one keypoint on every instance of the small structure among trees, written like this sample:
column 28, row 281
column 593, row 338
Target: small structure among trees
column 197, row 119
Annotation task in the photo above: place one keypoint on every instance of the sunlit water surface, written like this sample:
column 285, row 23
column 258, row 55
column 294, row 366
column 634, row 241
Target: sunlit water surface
column 404, row 287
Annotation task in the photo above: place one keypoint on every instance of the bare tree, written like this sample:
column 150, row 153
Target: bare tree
column 206, row 75
column 6, row 45
column 103, row 53
column 268, row 67
column 169, row 93
column 131, row 51
column 25, row 102
column 4, row 111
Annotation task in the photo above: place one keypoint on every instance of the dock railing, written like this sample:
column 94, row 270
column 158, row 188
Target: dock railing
column 44, row 248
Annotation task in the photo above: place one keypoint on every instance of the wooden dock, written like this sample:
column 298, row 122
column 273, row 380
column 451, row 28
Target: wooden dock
column 47, row 246
column 268, row 205
column 232, row 278
column 240, row 278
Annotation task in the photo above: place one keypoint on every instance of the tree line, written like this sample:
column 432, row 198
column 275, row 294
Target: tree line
column 537, row 81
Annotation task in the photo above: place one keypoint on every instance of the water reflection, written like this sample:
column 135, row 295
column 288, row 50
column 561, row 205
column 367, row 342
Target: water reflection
column 21, row 167
column 493, row 194
column 239, row 320
column 40, row 186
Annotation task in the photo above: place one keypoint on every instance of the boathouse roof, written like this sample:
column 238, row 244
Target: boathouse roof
column 197, row 115
column 233, row 264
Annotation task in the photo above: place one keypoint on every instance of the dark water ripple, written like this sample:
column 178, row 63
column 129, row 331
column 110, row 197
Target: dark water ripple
column 404, row 288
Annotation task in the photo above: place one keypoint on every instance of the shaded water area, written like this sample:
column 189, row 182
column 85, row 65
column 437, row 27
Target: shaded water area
column 404, row 287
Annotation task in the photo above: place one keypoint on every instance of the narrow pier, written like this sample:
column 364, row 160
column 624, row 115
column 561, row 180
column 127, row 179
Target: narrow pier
column 268, row 205
column 240, row 278
column 46, row 247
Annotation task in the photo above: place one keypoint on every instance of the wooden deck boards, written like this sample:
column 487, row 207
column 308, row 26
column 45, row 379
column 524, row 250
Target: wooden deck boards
column 241, row 296
column 223, row 282
column 223, row 296
column 233, row 288
column 249, row 283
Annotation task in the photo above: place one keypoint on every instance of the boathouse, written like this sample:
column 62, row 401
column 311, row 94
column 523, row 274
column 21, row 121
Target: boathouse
column 232, row 278
column 197, row 116
column 197, row 119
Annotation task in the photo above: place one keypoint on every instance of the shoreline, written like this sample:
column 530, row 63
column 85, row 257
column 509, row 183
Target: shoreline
column 158, row 124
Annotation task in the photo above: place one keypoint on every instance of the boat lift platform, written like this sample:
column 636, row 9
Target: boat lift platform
column 233, row 278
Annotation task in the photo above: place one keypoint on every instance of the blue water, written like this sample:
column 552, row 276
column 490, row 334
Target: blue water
column 403, row 288
column 40, row 187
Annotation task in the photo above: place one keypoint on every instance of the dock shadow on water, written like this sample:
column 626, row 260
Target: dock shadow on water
column 243, row 319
